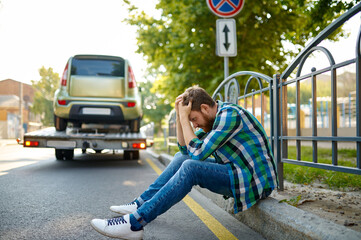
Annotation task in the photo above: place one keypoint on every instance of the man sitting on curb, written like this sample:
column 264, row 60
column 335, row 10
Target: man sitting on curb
column 242, row 165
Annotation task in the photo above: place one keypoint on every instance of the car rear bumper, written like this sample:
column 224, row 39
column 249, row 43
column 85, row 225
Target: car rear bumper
column 98, row 114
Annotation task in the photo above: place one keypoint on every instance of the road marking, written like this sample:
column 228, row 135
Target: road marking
column 215, row 226
column 155, row 168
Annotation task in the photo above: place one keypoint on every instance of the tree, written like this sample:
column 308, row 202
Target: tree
column 44, row 95
column 181, row 43
column 155, row 106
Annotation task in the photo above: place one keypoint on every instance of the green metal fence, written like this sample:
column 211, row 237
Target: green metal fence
column 269, row 103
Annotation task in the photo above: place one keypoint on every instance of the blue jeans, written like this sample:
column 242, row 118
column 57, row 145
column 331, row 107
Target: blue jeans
column 176, row 182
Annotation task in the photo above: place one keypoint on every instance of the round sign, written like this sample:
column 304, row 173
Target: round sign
column 225, row 8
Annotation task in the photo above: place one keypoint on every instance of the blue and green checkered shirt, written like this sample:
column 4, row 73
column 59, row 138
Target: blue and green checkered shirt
column 238, row 140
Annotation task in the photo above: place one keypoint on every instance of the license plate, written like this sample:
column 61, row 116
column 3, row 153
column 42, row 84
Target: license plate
column 96, row 111
column 61, row 144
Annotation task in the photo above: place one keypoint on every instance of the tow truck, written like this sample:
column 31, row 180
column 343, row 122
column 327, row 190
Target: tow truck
column 94, row 138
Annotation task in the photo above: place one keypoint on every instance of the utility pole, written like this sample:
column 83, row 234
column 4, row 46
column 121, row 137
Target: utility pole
column 21, row 129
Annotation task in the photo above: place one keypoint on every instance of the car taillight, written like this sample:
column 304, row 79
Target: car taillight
column 64, row 78
column 131, row 78
column 62, row 102
column 131, row 104
column 139, row 145
column 31, row 144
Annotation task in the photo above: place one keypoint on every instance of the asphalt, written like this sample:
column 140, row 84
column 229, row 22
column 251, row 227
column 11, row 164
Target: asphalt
column 278, row 221
column 42, row 198
column 269, row 218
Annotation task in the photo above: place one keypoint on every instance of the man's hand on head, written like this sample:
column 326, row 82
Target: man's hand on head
column 184, row 110
column 177, row 103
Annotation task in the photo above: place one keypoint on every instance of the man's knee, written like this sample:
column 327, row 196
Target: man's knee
column 178, row 160
column 189, row 166
column 177, row 155
column 190, row 169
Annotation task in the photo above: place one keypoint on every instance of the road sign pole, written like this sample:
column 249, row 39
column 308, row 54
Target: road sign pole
column 226, row 68
column 226, row 41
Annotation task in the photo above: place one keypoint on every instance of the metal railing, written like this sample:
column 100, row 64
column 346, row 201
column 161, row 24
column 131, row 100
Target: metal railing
column 172, row 134
column 274, row 115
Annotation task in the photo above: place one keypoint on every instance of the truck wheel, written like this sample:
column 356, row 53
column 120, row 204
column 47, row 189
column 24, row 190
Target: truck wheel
column 59, row 154
column 131, row 155
column 60, row 123
column 69, row 154
column 64, row 154
column 135, row 125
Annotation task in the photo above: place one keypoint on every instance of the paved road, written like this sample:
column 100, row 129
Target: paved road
column 41, row 198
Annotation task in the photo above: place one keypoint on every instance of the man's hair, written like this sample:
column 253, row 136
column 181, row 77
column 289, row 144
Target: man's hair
column 197, row 96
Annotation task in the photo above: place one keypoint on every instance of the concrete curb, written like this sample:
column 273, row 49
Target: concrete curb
column 278, row 221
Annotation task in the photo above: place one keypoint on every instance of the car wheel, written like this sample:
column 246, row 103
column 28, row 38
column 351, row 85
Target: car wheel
column 135, row 125
column 60, row 123
column 64, row 154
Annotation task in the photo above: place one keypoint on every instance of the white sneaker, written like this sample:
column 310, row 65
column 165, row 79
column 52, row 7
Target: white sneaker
column 116, row 228
column 125, row 209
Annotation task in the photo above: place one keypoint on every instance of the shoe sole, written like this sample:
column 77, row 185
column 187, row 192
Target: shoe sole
column 123, row 213
column 112, row 236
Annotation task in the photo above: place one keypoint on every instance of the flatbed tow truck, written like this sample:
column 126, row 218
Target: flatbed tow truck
column 97, row 139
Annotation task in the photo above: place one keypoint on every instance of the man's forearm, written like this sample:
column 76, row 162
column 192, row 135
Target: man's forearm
column 180, row 136
column 188, row 133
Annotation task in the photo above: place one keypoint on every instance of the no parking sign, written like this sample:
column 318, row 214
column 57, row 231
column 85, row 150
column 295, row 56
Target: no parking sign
column 225, row 8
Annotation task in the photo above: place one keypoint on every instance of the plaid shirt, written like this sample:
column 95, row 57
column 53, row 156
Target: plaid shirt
column 238, row 140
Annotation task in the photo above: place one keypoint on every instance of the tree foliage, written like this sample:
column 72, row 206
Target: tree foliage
column 155, row 107
column 44, row 95
column 180, row 44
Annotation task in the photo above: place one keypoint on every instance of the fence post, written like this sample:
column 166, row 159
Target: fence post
column 298, row 120
column 276, row 126
column 358, row 98
column 334, row 113
column 314, row 115
column 284, row 123
column 271, row 99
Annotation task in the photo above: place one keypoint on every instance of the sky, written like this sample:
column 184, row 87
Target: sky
column 36, row 33
column 342, row 50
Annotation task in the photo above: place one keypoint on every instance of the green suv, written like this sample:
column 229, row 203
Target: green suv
column 97, row 89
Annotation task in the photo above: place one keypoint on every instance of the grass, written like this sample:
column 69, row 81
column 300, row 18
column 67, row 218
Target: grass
column 305, row 175
column 332, row 179
column 294, row 201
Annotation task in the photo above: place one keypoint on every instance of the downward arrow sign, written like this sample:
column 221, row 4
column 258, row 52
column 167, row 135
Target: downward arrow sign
column 226, row 31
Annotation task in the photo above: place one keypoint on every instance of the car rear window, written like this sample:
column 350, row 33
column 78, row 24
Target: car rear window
column 97, row 67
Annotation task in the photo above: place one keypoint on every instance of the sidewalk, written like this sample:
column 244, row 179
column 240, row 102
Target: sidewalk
column 4, row 142
column 278, row 221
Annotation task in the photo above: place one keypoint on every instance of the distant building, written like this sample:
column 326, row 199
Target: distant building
column 10, row 109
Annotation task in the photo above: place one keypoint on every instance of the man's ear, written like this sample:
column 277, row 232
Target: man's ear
column 205, row 108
